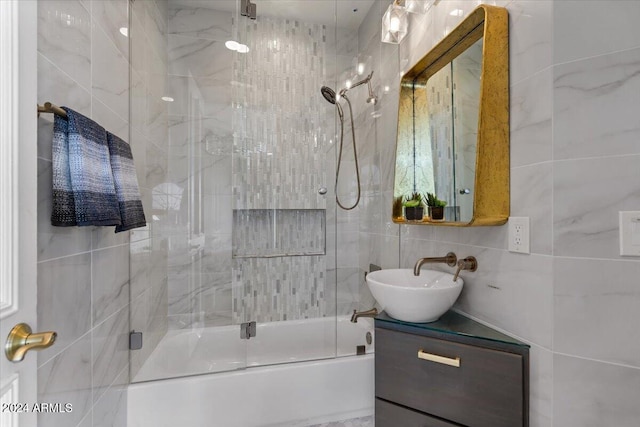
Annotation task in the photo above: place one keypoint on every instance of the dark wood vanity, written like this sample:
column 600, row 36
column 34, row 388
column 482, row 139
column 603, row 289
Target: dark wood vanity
column 452, row 372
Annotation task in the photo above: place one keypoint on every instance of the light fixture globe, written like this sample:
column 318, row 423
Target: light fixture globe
column 394, row 24
column 418, row 6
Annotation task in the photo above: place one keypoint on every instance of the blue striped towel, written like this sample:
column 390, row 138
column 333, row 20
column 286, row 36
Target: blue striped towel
column 126, row 182
column 83, row 185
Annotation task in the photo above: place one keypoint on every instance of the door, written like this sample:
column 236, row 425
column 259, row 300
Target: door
column 18, row 196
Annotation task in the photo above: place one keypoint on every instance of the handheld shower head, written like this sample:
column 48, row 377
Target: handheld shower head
column 329, row 94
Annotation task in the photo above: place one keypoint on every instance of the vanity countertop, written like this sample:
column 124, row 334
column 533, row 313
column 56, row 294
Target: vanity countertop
column 456, row 327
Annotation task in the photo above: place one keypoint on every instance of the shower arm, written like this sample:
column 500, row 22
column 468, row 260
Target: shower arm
column 361, row 82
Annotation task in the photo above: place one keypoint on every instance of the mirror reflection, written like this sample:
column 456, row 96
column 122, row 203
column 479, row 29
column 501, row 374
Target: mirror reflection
column 437, row 154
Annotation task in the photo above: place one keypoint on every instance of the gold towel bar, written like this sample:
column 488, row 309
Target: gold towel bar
column 51, row 108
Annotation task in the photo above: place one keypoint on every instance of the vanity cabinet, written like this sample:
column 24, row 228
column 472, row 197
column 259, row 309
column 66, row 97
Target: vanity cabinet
column 449, row 373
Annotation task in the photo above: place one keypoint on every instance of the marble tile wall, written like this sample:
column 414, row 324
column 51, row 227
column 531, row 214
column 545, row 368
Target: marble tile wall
column 83, row 273
column 200, row 164
column 574, row 76
column 279, row 143
column 149, row 134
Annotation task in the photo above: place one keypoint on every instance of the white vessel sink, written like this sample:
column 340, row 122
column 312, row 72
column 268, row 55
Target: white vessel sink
column 410, row 298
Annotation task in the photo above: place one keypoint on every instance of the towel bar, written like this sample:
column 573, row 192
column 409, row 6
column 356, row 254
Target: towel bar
column 51, row 108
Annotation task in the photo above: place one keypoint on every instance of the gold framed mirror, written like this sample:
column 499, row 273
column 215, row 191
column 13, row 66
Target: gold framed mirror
column 453, row 127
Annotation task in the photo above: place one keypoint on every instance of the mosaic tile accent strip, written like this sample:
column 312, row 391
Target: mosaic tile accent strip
column 439, row 100
column 275, row 289
column 281, row 135
column 280, row 232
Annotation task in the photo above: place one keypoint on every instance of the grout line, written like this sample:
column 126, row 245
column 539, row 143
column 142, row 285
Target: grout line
column 104, row 31
column 478, row 246
column 629, row 260
column 614, row 156
column 81, row 253
column 43, row 56
column 502, row 330
column 531, row 76
column 588, row 58
column 126, row 122
column 64, row 256
column 64, row 349
column 531, row 164
column 622, row 365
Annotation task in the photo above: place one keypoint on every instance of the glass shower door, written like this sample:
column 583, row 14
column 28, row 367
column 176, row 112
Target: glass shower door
column 283, row 254
column 181, row 280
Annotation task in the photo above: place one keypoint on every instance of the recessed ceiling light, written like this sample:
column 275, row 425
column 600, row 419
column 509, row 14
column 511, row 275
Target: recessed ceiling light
column 124, row 31
column 167, row 99
column 231, row 44
column 456, row 12
column 242, row 48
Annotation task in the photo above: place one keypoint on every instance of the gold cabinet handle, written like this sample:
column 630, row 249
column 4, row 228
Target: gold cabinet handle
column 455, row 362
column 21, row 340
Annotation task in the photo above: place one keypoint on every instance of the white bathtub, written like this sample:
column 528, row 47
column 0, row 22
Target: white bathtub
column 269, row 392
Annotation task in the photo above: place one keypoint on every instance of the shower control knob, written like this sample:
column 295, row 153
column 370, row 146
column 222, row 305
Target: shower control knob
column 322, row 190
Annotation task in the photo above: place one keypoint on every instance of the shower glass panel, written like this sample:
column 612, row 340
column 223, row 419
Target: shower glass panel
column 281, row 151
column 239, row 186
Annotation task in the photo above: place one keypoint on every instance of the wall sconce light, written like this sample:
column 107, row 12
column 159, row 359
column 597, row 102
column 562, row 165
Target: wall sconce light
column 418, row 6
column 394, row 23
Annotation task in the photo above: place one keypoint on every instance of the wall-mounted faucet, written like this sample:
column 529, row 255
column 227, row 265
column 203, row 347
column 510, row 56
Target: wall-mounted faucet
column 469, row 263
column 450, row 259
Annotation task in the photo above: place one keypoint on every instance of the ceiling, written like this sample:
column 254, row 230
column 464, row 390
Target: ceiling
column 349, row 13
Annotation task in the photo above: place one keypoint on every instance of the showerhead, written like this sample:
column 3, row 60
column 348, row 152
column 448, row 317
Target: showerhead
column 329, row 94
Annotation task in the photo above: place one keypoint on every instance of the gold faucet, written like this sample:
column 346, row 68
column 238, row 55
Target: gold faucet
column 450, row 259
column 369, row 313
column 469, row 263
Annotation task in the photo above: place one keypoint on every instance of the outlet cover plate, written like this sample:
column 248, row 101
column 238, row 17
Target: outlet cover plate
column 630, row 233
column 519, row 234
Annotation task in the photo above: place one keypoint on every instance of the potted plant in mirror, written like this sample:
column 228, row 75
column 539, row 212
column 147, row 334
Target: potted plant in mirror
column 396, row 212
column 436, row 207
column 413, row 207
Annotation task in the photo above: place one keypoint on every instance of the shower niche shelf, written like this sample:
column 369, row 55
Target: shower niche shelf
column 275, row 233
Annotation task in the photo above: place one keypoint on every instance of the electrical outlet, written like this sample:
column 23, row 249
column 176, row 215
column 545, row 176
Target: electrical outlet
column 519, row 234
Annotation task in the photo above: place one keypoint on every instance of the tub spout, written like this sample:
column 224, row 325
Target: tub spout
column 369, row 313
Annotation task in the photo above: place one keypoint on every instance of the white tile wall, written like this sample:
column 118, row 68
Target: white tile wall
column 83, row 273
column 575, row 164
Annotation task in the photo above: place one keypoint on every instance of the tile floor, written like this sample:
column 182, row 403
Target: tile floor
column 354, row 422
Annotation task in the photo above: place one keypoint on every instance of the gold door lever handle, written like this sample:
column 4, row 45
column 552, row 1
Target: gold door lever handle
column 21, row 340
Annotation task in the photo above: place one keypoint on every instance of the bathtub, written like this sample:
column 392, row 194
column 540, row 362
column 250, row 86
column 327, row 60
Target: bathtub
column 298, row 373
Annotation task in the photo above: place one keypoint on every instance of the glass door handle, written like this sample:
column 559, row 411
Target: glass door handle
column 465, row 191
column 21, row 340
